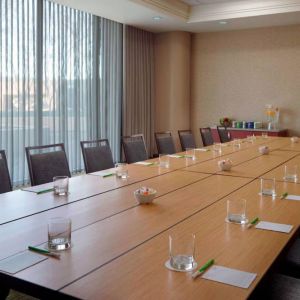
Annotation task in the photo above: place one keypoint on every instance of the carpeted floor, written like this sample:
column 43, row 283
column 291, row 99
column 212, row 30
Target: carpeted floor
column 13, row 295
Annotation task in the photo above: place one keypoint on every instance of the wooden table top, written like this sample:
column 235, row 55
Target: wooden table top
column 231, row 245
column 110, row 232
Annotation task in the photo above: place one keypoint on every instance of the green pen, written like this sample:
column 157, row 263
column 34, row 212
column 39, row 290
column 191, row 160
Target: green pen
column 203, row 268
column 44, row 251
column 284, row 195
column 45, row 191
column 108, row 175
column 253, row 222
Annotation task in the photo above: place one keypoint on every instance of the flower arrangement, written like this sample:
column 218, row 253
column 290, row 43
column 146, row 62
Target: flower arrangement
column 225, row 122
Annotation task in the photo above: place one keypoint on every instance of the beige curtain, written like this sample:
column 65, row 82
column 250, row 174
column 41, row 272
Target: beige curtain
column 138, row 97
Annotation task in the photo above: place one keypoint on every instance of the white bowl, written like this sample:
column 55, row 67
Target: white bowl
column 225, row 165
column 294, row 139
column 145, row 195
column 264, row 150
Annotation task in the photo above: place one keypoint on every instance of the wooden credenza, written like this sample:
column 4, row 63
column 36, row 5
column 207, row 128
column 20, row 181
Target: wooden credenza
column 240, row 133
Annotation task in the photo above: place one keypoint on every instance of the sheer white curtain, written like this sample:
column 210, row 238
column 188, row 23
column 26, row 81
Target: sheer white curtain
column 18, row 82
column 61, row 80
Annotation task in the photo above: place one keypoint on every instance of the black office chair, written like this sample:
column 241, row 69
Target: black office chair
column 186, row 139
column 278, row 287
column 97, row 155
column 46, row 164
column 224, row 134
column 207, row 137
column 5, row 183
column 134, row 148
column 164, row 142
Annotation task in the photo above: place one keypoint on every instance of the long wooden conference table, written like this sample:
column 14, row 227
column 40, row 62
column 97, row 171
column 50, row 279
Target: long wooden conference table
column 119, row 247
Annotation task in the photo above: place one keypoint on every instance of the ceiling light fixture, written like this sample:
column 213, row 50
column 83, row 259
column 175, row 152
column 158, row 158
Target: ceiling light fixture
column 222, row 22
column 157, row 18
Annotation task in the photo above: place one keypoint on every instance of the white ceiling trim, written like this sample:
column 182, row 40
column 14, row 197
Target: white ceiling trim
column 239, row 9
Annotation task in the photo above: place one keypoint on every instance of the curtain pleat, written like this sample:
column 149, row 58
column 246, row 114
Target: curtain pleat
column 61, row 80
column 138, row 109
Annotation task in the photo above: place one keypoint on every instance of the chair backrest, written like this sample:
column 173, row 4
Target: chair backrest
column 164, row 142
column 186, row 139
column 46, row 164
column 134, row 148
column 97, row 155
column 224, row 134
column 206, row 135
column 5, row 183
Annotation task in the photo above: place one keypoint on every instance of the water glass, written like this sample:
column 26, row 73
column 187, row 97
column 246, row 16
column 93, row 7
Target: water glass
column 264, row 135
column 190, row 153
column 236, row 211
column 217, row 148
column 121, row 170
column 268, row 187
column 164, row 161
column 291, row 173
column 59, row 233
column 250, row 139
column 182, row 251
column 237, row 144
column 61, row 185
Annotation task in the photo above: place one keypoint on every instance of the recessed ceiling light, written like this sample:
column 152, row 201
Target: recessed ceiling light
column 223, row 22
column 157, row 18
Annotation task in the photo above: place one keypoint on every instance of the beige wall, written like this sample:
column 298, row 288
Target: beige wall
column 172, row 82
column 236, row 73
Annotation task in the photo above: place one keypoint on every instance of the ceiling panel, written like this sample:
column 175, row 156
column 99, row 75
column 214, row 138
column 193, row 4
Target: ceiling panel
column 198, row 2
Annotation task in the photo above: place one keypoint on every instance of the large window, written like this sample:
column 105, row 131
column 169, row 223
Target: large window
column 61, row 80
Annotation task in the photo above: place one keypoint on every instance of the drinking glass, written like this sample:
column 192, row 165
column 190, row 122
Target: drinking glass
column 182, row 251
column 236, row 143
column 121, row 170
column 190, row 153
column 59, row 233
column 236, row 211
column 268, row 187
column 61, row 185
column 291, row 173
column 217, row 148
column 164, row 161
column 264, row 135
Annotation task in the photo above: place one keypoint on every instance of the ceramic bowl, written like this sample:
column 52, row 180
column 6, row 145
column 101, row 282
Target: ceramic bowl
column 263, row 150
column 145, row 195
column 225, row 165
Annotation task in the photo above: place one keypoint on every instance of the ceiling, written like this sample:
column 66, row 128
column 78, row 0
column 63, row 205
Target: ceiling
column 197, row 2
column 209, row 15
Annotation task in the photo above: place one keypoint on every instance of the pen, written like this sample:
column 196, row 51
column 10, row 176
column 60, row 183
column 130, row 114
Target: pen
column 44, row 251
column 45, row 191
column 284, row 195
column 203, row 269
column 253, row 222
column 108, row 175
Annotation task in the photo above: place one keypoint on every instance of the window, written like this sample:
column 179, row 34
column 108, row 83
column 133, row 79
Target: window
column 61, row 80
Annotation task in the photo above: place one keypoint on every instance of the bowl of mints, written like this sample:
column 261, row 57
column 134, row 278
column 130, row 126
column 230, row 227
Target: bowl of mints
column 145, row 195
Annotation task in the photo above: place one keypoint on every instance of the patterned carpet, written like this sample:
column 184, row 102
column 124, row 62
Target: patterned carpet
column 13, row 295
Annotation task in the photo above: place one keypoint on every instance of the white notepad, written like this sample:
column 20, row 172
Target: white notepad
column 144, row 163
column 293, row 197
column 103, row 173
column 202, row 149
column 274, row 226
column 176, row 156
column 21, row 261
column 230, row 276
column 39, row 188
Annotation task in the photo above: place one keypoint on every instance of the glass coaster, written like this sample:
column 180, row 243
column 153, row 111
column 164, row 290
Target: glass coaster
column 168, row 266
